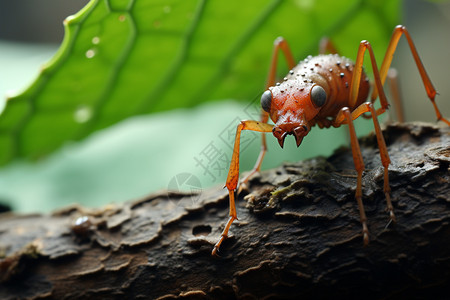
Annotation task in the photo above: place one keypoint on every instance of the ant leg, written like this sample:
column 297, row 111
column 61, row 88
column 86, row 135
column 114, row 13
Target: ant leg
column 233, row 173
column 327, row 46
column 356, row 79
column 354, row 88
column 262, row 153
column 431, row 91
column 394, row 85
column 279, row 44
column 345, row 115
column 384, row 155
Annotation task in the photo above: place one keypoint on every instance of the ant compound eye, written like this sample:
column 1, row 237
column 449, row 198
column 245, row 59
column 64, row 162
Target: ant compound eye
column 266, row 100
column 318, row 96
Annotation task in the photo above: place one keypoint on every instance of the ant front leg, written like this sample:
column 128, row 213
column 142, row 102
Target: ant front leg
column 357, row 74
column 384, row 155
column 345, row 115
column 279, row 44
column 233, row 173
column 262, row 153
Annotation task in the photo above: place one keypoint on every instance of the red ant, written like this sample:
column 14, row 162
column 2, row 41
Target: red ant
column 325, row 90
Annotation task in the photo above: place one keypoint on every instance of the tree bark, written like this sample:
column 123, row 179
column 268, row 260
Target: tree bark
column 298, row 235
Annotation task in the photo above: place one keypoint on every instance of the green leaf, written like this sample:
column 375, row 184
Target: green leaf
column 120, row 59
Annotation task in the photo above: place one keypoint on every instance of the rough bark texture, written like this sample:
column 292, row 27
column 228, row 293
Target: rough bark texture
column 298, row 236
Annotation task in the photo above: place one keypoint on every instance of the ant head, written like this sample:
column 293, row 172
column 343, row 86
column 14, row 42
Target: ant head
column 291, row 106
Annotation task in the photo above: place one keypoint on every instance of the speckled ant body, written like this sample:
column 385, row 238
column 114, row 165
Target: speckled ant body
column 325, row 90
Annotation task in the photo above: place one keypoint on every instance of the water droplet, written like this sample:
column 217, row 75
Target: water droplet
column 167, row 9
column 82, row 114
column 90, row 53
column 95, row 40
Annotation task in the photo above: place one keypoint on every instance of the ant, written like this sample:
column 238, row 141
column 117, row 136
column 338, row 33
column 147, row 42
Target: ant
column 325, row 90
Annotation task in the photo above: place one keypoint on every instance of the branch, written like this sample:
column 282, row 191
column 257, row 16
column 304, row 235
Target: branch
column 298, row 235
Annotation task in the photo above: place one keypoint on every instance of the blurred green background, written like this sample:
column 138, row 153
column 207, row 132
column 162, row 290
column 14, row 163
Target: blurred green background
column 186, row 147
